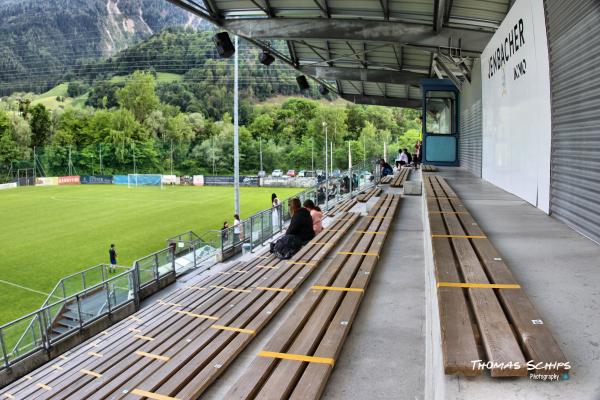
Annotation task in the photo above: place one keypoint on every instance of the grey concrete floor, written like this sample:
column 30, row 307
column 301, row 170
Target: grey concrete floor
column 560, row 271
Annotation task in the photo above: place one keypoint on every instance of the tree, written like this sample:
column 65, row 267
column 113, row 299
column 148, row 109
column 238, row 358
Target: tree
column 139, row 95
column 262, row 126
column 40, row 124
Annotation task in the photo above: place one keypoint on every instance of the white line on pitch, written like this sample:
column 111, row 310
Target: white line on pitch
column 24, row 287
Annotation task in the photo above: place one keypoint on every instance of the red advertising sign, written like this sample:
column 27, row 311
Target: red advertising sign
column 68, row 180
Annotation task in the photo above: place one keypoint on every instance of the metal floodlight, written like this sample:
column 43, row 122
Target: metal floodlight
column 223, row 44
column 266, row 58
column 323, row 90
column 302, row 82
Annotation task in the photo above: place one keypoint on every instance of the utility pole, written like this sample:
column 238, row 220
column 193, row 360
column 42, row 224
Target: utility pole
column 326, row 172
column 260, row 151
column 236, row 148
column 312, row 156
column 100, row 151
column 171, row 156
column 350, row 167
column 213, row 155
column 70, row 166
column 134, row 165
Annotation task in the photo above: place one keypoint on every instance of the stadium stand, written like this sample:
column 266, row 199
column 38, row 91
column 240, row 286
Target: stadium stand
column 386, row 180
column 428, row 168
column 480, row 302
column 343, row 206
column 400, row 177
column 180, row 345
column 366, row 196
column 299, row 357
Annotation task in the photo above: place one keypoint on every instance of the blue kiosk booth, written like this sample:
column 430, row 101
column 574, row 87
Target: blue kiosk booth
column 440, row 122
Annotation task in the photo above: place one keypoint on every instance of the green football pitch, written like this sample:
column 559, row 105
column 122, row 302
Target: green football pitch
column 49, row 232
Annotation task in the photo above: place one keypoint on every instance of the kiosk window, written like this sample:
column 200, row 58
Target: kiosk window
column 441, row 112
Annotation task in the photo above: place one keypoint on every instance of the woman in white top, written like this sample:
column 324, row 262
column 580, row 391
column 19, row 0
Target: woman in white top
column 276, row 209
column 236, row 228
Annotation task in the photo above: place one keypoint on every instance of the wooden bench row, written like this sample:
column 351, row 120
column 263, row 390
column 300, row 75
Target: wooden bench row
column 428, row 168
column 386, row 180
column 400, row 177
column 177, row 347
column 366, row 195
column 343, row 206
column 480, row 302
column 298, row 359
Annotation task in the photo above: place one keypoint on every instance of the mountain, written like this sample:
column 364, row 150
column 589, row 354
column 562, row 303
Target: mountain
column 42, row 39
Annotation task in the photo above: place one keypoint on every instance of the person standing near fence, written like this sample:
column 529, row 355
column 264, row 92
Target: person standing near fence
column 112, row 253
column 275, row 218
column 236, row 229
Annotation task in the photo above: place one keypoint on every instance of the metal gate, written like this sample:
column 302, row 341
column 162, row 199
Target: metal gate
column 573, row 29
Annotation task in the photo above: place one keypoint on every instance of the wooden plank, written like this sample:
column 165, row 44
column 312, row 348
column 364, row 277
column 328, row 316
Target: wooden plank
column 116, row 340
column 273, row 378
column 499, row 342
column 535, row 339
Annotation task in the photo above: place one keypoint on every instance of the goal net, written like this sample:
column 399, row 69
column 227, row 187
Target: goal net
column 135, row 180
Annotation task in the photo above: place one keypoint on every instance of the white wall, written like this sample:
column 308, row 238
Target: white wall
column 516, row 105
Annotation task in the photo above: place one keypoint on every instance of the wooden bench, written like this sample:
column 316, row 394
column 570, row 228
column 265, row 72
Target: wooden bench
column 343, row 206
column 298, row 359
column 479, row 299
column 428, row 168
column 400, row 177
column 366, row 196
column 180, row 345
column 386, row 179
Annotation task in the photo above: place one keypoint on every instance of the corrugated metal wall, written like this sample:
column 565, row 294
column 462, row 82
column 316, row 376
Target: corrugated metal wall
column 471, row 122
column 574, row 46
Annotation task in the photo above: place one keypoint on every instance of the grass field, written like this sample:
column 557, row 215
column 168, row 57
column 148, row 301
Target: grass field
column 49, row 232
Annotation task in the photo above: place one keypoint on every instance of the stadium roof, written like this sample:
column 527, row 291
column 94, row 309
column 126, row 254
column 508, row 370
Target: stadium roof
column 367, row 51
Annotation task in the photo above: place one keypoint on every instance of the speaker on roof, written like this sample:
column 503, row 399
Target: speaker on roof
column 302, row 82
column 323, row 90
column 265, row 58
column 223, row 44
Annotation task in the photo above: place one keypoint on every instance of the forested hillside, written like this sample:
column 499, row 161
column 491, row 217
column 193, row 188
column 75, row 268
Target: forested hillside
column 166, row 102
column 41, row 40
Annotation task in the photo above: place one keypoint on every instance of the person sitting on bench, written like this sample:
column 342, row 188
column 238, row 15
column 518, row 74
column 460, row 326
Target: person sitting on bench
column 297, row 234
column 301, row 224
column 316, row 215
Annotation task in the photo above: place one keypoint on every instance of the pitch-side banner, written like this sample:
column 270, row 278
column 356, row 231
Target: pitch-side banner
column 96, row 180
column 46, row 181
column 228, row 180
column 198, row 180
column 169, row 180
column 10, row 185
column 69, row 180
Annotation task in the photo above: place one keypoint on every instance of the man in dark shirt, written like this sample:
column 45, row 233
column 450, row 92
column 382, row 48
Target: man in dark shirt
column 113, row 258
column 301, row 224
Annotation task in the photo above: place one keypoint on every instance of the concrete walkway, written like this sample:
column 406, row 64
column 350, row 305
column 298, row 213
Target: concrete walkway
column 560, row 271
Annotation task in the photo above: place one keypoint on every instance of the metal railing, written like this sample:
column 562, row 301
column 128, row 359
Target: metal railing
column 80, row 299
column 154, row 266
column 65, row 288
column 57, row 320
column 193, row 252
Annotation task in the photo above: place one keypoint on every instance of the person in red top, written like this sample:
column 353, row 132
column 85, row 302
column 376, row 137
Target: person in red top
column 316, row 215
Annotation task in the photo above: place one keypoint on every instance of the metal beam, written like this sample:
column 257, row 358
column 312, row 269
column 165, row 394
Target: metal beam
column 361, row 74
column 382, row 101
column 457, row 82
column 439, row 14
column 473, row 41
